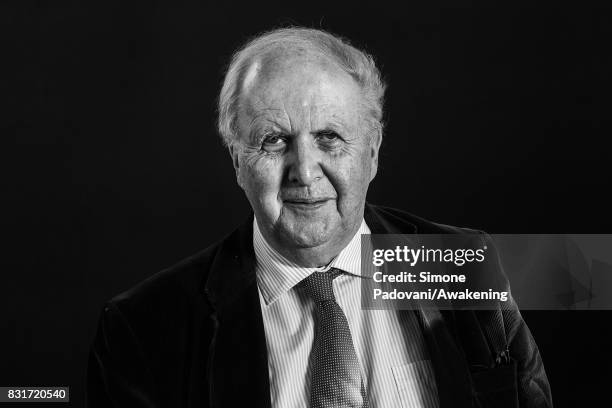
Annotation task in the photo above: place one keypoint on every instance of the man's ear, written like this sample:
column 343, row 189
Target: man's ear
column 375, row 142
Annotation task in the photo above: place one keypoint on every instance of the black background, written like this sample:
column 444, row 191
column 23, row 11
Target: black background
column 498, row 119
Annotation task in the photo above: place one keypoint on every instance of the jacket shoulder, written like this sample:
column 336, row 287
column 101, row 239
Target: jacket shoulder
column 143, row 346
column 422, row 225
column 182, row 280
column 175, row 291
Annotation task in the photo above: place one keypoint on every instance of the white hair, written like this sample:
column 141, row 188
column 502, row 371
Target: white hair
column 299, row 41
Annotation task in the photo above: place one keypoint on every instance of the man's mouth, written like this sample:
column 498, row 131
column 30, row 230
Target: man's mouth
column 306, row 202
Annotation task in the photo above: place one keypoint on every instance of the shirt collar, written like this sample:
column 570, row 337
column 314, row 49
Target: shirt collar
column 277, row 274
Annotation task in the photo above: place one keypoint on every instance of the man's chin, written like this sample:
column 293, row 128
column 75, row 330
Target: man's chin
column 305, row 235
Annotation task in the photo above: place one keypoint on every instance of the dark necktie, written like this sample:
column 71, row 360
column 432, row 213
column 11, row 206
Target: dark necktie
column 335, row 374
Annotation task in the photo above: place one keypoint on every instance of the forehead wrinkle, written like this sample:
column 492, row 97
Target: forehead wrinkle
column 288, row 117
column 308, row 111
column 328, row 114
column 256, row 106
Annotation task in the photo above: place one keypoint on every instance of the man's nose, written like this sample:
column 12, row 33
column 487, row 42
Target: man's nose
column 304, row 161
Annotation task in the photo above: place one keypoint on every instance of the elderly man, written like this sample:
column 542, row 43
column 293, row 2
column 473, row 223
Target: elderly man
column 270, row 316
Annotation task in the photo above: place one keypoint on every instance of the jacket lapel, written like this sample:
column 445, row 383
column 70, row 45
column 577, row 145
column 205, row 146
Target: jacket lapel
column 238, row 362
column 450, row 366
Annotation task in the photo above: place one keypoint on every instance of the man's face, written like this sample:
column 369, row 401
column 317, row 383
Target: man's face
column 304, row 157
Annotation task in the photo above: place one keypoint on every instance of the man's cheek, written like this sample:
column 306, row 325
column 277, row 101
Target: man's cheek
column 263, row 181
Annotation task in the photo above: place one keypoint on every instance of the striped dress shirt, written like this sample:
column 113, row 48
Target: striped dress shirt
column 390, row 347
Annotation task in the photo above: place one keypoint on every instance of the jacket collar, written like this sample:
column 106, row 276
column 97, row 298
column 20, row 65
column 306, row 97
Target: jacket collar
column 233, row 268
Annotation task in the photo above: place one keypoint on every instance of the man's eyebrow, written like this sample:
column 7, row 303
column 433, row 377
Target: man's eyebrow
column 333, row 123
column 265, row 113
column 264, row 120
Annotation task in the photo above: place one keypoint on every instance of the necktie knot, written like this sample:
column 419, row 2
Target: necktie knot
column 319, row 285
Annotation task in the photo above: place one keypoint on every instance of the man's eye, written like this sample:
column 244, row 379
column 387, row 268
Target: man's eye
column 329, row 137
column 273, row 143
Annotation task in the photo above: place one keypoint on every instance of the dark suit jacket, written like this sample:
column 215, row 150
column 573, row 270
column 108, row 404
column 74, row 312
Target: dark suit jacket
column 192, row 336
